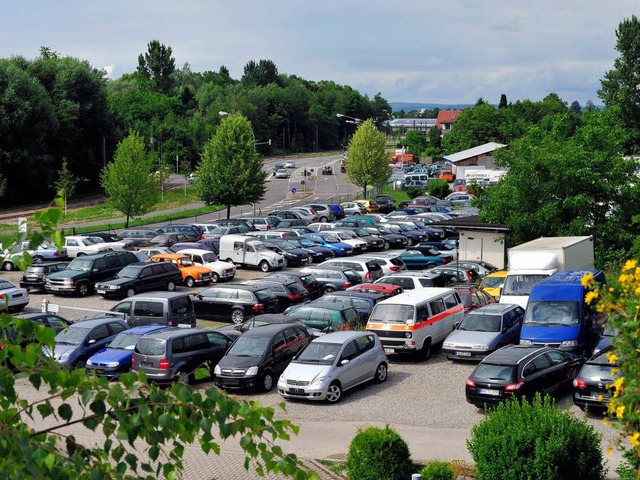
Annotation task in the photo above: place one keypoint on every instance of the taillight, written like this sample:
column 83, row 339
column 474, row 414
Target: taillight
column 257, row 306
column 368, row 276
column 346, row 284
column 512, row 387
column 55, row 254
column 164, row 364
column 313, row 212
column 202, row 237
column 470, row 383
column 133, row 360
column 170, row 322
column 268, row 227
column 445, row 261
column 394, row 269
column 577, row 383
column 294, row 296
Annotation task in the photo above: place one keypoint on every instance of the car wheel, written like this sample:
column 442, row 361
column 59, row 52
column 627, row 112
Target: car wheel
column 80, row 254
column 328, row 290
column 324, row 219
column 385, row 246
column 19, row 308
column 7, row 266
column 83, row 289
column 215, row 278
column 131, row 292
column 38, row 259
column 237, row 316
column 183, row 377
column 79, row 364
column 264, row 266
column 267, row 382
column 430, row 265
column 286, row 263
column 171, row 286
column 381, row 373
column 334, row 393
column 425, row 351
column 190, row 282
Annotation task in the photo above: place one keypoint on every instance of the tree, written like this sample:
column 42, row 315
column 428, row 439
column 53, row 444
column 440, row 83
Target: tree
column 414, row 142
column 157, row 65
column 143, row 428
column 262, row 73
column 128, row 181
column 503, row 101
column 231, row 172
column 575, row 107
column 66, row 183
column 621, row 85
column 368, row 162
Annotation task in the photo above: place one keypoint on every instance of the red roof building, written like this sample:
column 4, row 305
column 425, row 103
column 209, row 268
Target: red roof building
column 446, row 119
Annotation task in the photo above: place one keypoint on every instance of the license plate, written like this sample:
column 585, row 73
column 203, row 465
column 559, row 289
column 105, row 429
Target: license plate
column 388, row 350
column 489, row 391
column 304, row 260
column 101, row 292
column 31, row 278
column 184, row 325
column 297, row 390
column 463, row 354
column 145, row 364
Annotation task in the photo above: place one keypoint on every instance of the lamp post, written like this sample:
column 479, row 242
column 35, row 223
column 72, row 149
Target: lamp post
column 268, row 142
column 160, row 171
column 349, row 119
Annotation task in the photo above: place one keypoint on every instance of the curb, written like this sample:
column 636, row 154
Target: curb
column 324, row 472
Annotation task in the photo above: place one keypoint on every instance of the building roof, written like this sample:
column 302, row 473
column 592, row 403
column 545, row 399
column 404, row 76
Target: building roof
column 412, row 122
column 471, row 223
column 447, row 116
column 474, row 152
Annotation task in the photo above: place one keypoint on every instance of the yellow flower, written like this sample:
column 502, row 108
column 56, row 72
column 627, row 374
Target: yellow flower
column 611, row 289
column 606, row 421
column 629, row 265
column 617, row 384
column 615, row 371
column 609, row 450
column 612, row 357
column 635, row 439
column 587, row 280
column 590, row 296
column 600, row 398
column 620, row 411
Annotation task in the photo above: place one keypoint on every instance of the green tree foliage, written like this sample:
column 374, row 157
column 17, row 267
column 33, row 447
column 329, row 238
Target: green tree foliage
column 563, row 181
column 231, row 172
column 438, row 187
column 140, row 429
column 157, row 66
column 575, row 107
column 621, row 85
column 415, row 142
column 128, row 181
column 437, row 470
column 378, row 454
column 503, row 101
column 368, row 162
column 66, row 183
column 261, row 73
column 520, row 440
column 380, row 111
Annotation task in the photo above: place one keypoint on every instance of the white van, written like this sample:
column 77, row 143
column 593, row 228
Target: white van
column 415, row 321
column 419, row 177
column 249, row 251
column 204, row 258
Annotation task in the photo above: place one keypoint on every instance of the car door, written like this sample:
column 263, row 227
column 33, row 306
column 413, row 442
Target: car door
column 280, row 353
column 156, row 278
column 197, row 350
column 96, row 340
column 536, row 375
column 351, row 371
column 218, row 344
column 207, row 304
column 560, row 370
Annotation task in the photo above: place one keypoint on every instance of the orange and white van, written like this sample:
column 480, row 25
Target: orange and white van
column 416, row 320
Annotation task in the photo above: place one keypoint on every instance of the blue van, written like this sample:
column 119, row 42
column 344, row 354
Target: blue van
column 557, row 315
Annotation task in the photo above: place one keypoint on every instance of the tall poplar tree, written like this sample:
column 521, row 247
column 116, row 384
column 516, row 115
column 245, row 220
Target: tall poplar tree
column 368, row 163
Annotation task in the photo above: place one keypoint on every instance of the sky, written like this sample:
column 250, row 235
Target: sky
column 447, row 52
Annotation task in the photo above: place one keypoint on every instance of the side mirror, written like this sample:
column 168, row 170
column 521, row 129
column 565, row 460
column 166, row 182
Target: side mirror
column 91, row 342
column 456, row 325
column 344, row 362
column 505, row 329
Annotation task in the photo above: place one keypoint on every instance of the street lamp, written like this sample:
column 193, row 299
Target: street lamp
column 160, row 171
column 222, row 113
column 349, row 119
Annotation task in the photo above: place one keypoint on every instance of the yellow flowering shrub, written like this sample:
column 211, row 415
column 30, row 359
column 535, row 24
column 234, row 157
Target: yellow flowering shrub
column 621, row 305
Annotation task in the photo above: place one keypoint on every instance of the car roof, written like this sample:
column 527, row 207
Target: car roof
column 494, row 309
column 175, row 332
column 241, row 286
column 157, row 295
column 341, row 336
column 327, row 305
column 514, row 354
column 142, row 330
column 601, row 358
column 94, row 322
column 267, row 330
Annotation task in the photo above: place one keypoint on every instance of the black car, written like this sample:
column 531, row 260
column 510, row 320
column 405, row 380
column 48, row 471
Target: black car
column 386, row 202
column 165, row 240
column 363, row 302
column 227, row 222
column 307, row 280
column 234, row 331
column 291, row 222
column 288, row 291
column 592, row 388
column 373, row 242
column 414, row 235
column 234, row 302
column 190, row 231
column 141, row 277
column 332, row 278
column 520, row 371
column 318, row 253
column 34, row 276
column 394, row 240
column 293, row 256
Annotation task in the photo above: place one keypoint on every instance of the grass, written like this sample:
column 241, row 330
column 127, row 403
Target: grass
column 335, row 466
column 398, row 195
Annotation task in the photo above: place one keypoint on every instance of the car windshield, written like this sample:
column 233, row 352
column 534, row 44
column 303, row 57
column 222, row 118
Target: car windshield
column 492, row 282
column 265, row 294
column 319, row 353
column 488, row 371
column 287, row 246
column 599, row 373
column 129, row 272
column 480, row 323
column 72, row 336
column 124, row 341
column 331, row 239
column 5, row 285
column 185, row 262
column 80, row 265
column 34, row 269
column 552, row 313
column 349, row 235
column 390, row 313
column 249, row 347
column 520, row 284
column 307, row 243
column 150, row 346
column 222, row 230
column 209, row 257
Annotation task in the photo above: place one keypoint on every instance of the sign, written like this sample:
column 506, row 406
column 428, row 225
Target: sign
column 293, row 190
column 369, row 187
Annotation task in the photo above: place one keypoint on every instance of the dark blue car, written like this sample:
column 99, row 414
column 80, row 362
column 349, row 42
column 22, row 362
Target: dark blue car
column 116, row 358
column 337, row 210
column 341, row 249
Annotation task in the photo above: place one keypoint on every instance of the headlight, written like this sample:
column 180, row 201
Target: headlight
column 341, row 249
column 65, row 355
column 114, row 287
column 447, row 345
column 321, row 380
column 481, row 347
column 525, row 342
column 569, row 343
column 216, row 370
column 251, row 372
column 113, row 364
column 89, row 363
column 407, row 334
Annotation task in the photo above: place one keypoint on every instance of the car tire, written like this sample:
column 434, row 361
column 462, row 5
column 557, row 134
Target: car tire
column 385, row 246
column 83, row 289
column 334, row 392
column 381, row 373
column 425, row 351
column 171, row 286
column 79, row 364
column 38, row 259
column 7, row 266
column 190, row 282
column 267, row 382
column 430, row 265
column 19, row 308
column 237, row 316
column 324, row 219
column 264, row 266
column 80, row 254
column 183, row 377
column 130, row 292
column 327, row 290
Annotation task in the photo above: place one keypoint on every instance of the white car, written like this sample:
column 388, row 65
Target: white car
column 290, row 164
column 78, row 245
column 350, row 238
column 13, row 298
column 119, row 245
column 281, row 173
column 220, row 270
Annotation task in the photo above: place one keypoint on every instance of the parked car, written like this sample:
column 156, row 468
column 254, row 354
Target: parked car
column 263, row 223
column 234, row 331
column 368, row 270
column 412, row 280
column 481, row 268
column 392, row 240
column 34, row 276
column 111, row 241
column 351, row 239
column 191, row 232
column 326, row 316
column 374, row 243
column 290, row 215
column 306, row 280
column 594, row 387
column 259, row 356
column 390, row 263
column 517, row 371
column 353, row 208
column 484, row 331
column 318, row 253
column 606, row 337
column 45, row 252
column 458, row 275
column 289, row 292
column 78, row 245
column 462, row 199
column 340, row 249
column 140, row 277
column 362, row 301
column 324, row 211
column 412, row 234
column 80, row 340
column 333, row 278
column 219, row 270
column 386, row 203
column 332, row 364
column 151, row 251
column 473, row 297
column 174, row 309
column 493, row 282
column 138, row 235
column 293, row 256
column 192, row 274
column 385, row 289
column 174, row 354
column 338, row 211
column 217, row 232
column 49, row 320
column 417, row 260
column 234, row 302
column 165, row 240
column 115, row 359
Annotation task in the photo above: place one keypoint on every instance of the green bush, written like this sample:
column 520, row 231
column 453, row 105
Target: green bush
column 414, row 192
column 439, row 188
column 437, row 470
column 535, row 441
column 378, row 454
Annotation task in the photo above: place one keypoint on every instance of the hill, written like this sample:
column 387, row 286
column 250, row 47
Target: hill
column 408, row 106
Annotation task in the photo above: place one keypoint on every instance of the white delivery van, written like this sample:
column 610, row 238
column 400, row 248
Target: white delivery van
column 415, row 321
column 205, row 258
column 245, row 250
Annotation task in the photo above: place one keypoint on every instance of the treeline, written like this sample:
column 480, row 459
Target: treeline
column 55, row 107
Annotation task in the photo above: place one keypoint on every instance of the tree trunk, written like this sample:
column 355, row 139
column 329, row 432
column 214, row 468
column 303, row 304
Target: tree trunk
column 228, row 211
column 364, row 191
column 126, row 224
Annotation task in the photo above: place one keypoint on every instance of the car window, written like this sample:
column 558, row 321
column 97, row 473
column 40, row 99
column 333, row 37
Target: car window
column 198, row 341
column 216, row 340
column 122, row 307
column 98, row 333
column 451, row 300
column 539, row 363
column 148, row 309
column 556, row 358
column 350, row 351
column 116, row 328
column 244, row 295
column 365, row 343
column 54, row 321
column 279, row 342
column 227, row 293
column 180, row 305
column 437, row 306
column 178, row 346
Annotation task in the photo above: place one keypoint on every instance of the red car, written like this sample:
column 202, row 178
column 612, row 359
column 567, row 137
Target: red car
column 388, row 289
column 473, row 297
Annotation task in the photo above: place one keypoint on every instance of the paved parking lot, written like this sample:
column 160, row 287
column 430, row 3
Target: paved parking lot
column 419, row 396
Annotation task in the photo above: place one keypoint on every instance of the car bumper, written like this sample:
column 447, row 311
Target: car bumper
column 310, row 392
column 60, row 288
column 156, row 375
column 470, row 355
column 237, row 383
column 481, row 400
column 591, row 402
column 106, row 372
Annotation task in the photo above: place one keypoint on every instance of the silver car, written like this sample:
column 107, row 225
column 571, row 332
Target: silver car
column 333, row 363
column 12, row 298
column 483, row 331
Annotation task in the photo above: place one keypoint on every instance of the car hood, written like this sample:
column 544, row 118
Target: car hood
column 549, row 334
column 115, row 281
column 305, row 372
column 112, row 355
column 469, row 338
column 60, row 349
column 231, row 361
